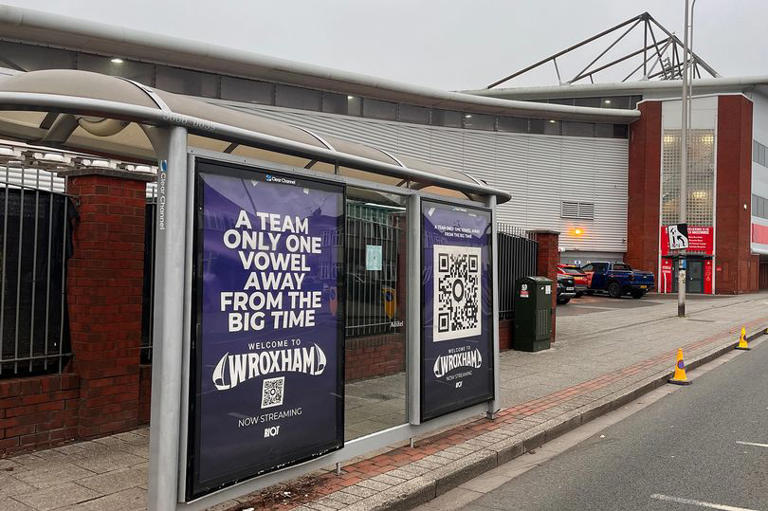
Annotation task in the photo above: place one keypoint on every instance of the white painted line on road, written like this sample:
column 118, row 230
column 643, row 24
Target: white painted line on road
column 699, row 503
column 752, row 443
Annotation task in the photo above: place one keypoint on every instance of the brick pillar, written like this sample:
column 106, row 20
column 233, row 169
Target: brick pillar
column 104, row 290
column 735, row 265
column 644, row 188
column 547, row 258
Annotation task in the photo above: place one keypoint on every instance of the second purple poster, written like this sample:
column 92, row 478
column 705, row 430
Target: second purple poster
column 457, row 347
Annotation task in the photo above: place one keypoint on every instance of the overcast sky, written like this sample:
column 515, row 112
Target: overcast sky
column 449, row 44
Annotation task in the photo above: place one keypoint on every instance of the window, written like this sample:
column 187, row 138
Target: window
column 545, row 126
column 25, row 57
column 578, row 129
column 513, row 124
column 759, row 206
column 479, row 122
column 297, row 97
column 588, row 267
column 379, row 109
column 581, row 210
column 335, row 103
column 415, row 114
column 183, row 81
column 447, row 118
column 620, row 131
column 621, row 267
column 136, row 71
column 249, row 91
column 592, row 102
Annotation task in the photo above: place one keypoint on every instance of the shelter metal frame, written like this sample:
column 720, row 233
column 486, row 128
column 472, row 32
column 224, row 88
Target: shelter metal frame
column 358, row 446
column 173, row 301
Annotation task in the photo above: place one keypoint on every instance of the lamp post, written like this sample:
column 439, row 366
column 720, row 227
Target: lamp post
column 682, row 266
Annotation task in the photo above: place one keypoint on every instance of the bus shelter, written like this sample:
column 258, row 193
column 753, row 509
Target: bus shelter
column 279, row 252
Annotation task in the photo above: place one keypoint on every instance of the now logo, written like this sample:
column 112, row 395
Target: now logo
column 271, row 432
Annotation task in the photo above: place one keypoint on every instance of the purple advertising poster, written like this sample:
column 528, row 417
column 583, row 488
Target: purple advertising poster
column 457, row 346
column 267, row 350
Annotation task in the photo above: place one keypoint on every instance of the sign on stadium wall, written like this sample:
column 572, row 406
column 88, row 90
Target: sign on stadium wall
column 700, row 240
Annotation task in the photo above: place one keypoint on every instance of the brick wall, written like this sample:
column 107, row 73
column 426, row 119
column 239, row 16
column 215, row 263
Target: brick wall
column 104, row 289
column 379, row 355
column 644, row 188
column 99, row 394
column 38, row 412
column 736, row 268
column 547, row 259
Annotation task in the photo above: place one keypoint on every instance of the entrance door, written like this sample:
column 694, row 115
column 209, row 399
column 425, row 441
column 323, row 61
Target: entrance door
column 694, row 278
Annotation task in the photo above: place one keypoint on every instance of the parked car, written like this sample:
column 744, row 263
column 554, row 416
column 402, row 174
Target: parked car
column 580, row 283
column 565, row 289
column 617, row 279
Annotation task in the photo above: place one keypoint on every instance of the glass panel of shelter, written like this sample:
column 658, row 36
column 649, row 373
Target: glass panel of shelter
column 375, row 382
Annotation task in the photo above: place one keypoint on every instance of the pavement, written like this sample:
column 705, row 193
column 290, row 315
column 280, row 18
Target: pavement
column 601, row 360
column 701, row 446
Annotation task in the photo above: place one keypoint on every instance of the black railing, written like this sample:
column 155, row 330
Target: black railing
column 517, row 258
column 36, row 241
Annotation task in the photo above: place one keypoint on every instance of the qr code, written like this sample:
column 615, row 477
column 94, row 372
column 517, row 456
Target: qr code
column 272, row 392
column 456, row 305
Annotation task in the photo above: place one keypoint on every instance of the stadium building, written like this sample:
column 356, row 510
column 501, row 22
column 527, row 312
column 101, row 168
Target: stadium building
column 597, row 162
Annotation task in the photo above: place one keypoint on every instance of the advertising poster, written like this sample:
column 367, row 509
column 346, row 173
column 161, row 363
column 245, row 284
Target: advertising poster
column 267, row 368
column 457, row 346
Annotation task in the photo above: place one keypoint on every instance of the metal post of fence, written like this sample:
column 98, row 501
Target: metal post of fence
column 413, row 316
column 168, row 321
column 493, row 405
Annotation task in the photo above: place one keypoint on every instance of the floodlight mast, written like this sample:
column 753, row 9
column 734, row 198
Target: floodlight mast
column 682, row 266
column 651, row 52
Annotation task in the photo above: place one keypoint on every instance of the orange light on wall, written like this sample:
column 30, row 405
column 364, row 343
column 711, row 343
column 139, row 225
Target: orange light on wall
column 578, row 231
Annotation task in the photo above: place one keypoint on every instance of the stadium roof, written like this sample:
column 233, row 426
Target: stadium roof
column 35, row 27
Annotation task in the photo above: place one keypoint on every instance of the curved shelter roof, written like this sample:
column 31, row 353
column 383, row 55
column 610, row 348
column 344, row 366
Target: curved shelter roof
column 110, row 116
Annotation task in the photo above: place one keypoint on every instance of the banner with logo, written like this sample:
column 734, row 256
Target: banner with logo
column 267, row 368
column 457, row 345
column 700, row 240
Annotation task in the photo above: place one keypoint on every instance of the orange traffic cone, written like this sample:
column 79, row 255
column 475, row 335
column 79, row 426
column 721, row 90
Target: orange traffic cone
column 743, row 345
column 679, row 378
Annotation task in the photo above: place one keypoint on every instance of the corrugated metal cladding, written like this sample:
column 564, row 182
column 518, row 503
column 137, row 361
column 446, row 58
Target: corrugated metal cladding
column 539, row 171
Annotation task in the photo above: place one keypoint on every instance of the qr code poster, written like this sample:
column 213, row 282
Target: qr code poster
column 456, row 305
column 272, row 392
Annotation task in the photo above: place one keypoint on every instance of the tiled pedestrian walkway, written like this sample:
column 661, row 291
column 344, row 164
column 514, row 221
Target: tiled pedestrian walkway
column 597, row 360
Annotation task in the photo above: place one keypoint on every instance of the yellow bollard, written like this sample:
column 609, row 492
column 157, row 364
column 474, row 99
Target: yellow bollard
column 679, row 378
column 743, row 345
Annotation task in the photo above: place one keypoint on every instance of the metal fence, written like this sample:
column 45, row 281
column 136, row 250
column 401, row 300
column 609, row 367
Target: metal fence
column 36, row 222
column 517, row 258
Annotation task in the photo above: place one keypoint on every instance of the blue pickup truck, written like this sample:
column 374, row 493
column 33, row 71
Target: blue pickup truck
column 617, row 279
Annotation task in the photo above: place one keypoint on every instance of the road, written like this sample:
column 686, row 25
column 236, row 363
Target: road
column 704, row 446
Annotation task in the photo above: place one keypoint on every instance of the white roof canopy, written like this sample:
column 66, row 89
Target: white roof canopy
column 105, row 115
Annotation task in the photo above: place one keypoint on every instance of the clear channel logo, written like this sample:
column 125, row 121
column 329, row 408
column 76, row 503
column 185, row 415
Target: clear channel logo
column 269, row 178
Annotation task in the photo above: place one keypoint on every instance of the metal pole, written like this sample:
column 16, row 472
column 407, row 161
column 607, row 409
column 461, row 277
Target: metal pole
column 681, row 268
column 493, row 405
column 413, row 317
column 168, row 321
